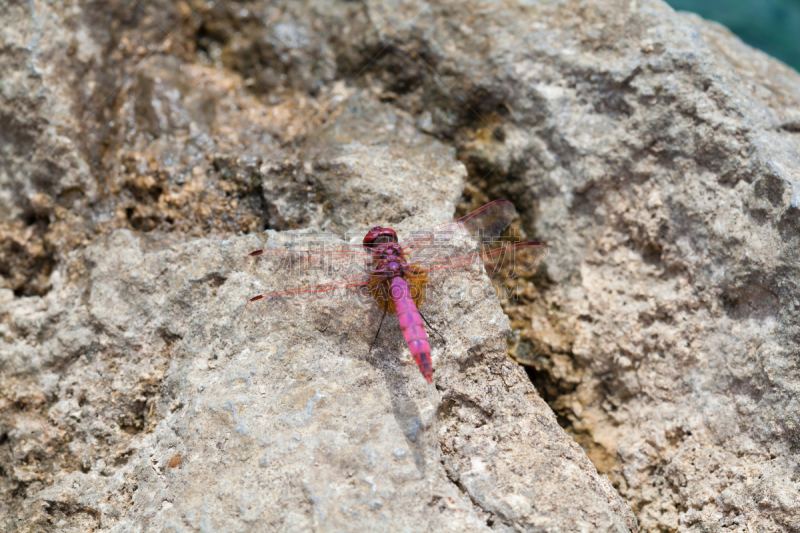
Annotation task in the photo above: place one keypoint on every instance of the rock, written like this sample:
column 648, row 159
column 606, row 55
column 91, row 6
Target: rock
column 283, row 418
column 139, row 349
column 287, row 419
column 657, row 156
column 145, row 151
column 368, row 161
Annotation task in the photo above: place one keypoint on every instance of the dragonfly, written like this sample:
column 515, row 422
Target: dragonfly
column 396, row 276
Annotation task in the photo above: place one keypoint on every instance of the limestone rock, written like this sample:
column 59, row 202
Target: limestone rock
column 145, row 148
column 139, row 392
column 284, row 421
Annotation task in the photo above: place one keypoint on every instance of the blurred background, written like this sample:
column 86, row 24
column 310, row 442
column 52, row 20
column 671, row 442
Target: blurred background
column 769, row 25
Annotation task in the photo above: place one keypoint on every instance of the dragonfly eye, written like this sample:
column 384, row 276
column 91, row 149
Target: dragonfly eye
column 379, row 235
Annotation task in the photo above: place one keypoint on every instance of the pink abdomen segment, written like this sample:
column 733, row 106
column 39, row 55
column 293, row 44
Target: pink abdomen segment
column 411, row 324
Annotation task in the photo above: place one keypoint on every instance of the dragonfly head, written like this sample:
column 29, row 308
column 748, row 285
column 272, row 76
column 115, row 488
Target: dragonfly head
column 379, row 235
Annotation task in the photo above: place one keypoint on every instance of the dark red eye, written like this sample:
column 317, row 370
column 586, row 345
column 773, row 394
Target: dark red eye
column 379, row 235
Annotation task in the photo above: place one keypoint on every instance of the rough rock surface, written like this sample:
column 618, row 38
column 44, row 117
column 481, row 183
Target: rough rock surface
column 656, row 154
column 140, row 393
column 282, row 421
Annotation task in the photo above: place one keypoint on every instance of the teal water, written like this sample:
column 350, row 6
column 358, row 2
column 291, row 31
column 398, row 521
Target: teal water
column 770, row 25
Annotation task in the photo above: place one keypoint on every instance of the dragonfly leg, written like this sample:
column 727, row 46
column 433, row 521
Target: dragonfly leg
column 429, row 325
column 377, row 332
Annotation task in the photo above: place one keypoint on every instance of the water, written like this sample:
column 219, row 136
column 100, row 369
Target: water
column 769, row 25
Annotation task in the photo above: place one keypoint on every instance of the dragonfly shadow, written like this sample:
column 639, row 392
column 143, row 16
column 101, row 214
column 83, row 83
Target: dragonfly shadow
column 348, row 322
column 419, row 435
column 352, row 327
column 356, row 327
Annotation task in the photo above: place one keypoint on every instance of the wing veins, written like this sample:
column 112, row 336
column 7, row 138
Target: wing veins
column 320, row 290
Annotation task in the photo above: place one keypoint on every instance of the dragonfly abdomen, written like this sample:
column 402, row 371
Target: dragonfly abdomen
column 413, row 329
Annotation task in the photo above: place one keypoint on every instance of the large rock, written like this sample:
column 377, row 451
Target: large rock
column 280, row 417
column 655, row 153
column 658, row 156
column 139, row 392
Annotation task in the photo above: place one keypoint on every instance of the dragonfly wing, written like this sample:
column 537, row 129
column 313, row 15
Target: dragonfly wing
column 489, row 221
column 343, row 309
column 334, row 290
column 330, row 261
column 507, row 261
column 484, row 225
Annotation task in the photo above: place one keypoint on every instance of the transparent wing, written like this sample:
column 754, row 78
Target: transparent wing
column 484, row 225
column 343, row 260
column 341, row 308
column 433, row 249
column 332, row 290
column 508, row 261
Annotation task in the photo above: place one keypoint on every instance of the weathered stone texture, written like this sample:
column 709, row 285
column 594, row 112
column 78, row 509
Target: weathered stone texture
column 145, row 147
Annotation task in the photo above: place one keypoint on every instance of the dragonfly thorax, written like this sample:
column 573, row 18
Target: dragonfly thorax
column 389, row 260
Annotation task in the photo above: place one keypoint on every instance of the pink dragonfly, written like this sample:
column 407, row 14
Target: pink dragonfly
column 396, row 275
